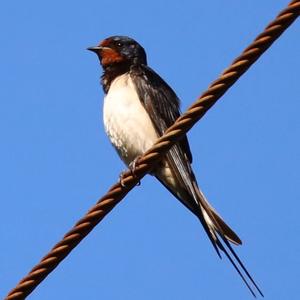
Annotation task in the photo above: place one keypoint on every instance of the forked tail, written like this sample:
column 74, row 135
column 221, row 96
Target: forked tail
column 220, row 235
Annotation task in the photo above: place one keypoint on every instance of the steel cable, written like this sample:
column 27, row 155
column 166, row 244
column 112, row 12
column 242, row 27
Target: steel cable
column 145, row 163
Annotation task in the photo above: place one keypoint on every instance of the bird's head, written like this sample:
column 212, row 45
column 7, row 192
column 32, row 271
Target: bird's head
column 119, row 50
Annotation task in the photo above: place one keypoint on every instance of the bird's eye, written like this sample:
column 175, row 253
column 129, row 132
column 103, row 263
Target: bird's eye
column 119, row 44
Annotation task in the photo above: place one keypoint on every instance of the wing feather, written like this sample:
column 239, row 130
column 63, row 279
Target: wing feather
column 162, row 105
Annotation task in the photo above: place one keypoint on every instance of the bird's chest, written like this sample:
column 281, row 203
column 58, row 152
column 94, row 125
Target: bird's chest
column 126, row 121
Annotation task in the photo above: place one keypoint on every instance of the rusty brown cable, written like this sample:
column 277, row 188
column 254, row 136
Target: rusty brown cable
column 144, row 165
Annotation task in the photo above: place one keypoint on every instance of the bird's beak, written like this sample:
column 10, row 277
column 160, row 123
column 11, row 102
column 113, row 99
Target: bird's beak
column 95, row 49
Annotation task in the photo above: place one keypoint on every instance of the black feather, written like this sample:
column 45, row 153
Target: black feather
column 160, row 101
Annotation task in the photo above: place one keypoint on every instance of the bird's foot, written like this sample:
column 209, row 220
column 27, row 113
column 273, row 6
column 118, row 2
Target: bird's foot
column 121, row 179
column 132, row 168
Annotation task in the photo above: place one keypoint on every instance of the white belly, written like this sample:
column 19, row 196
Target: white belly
column 126, row 122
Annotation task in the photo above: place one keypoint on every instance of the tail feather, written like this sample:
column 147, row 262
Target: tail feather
column 242, row 266
column 217, row 229
column 179, row 179
column 215, row 220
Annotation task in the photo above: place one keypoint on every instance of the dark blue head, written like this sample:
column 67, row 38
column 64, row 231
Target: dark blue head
column 120, row 49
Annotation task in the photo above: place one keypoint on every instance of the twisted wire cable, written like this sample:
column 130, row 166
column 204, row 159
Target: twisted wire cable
column 147, row 162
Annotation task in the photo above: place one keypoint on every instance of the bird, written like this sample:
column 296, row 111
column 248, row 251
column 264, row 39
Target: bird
column 138, row 108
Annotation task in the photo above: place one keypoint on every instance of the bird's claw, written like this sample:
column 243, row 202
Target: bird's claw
column 121, row 179
column 132, row 167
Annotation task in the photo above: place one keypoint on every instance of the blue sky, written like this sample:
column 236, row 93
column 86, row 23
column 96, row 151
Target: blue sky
column 56, row 160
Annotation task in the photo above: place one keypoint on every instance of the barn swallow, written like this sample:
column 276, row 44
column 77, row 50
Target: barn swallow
column 138, row 108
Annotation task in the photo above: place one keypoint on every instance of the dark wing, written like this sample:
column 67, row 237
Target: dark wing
column 160, row 101
column 162, row 105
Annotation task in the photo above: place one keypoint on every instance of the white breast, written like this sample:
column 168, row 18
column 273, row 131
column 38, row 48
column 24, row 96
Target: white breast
column 126, row 122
